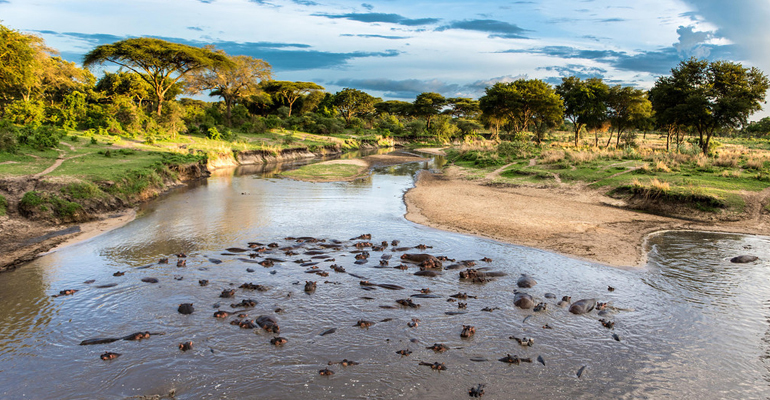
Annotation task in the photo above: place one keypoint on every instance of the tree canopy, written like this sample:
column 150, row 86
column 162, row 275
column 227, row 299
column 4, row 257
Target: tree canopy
column 523, row 103
column 231, row 82
column 584, row 102
column 428, row 105
column 626, row 107
column 160, row 63
column 709, row 96
column 290, row 91
column 353, row 102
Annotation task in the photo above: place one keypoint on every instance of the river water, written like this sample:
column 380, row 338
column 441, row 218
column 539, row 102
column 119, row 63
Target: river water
column 691, row 324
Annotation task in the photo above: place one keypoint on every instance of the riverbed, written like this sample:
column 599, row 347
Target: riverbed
column 690, row 324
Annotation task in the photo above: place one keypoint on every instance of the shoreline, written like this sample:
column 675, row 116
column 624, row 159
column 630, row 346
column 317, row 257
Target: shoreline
column 95, row 228
column 577, row 222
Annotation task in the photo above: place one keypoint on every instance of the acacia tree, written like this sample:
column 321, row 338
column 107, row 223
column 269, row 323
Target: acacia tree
column 399, row 108
column 523, row 103
column 21, row 60
column 428, row 105
column 709, row 96
column 233, row 82
column 626, row 106
column 584, row 102
column 353, row 102
column 160, row 63
column 463, row 107
column 290, row 91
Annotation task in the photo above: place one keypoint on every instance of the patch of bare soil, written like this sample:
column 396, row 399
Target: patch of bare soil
column 366, row 164
column 575, row 221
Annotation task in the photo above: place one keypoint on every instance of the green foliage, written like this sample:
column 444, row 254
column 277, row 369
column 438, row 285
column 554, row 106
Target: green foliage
column 22, row 112
column 353, row 102
column 3, row 205
column 31, row 199
column 43, row 137
column 522, row 104
column 8, row 137
column 584, row 102
column 289, row 92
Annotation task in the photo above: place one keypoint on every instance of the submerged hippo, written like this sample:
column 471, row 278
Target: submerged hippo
column 523, row 300
column 268, row 323
column 526, row 281
column 438, row 347
column 468, row 331
column 186, row 346
column 426, row 261
column 744, row 259
column 186, row 308
column 278, row 341
column 565, row 300
column 582, row 306
column 109, row 356
column 435, row 366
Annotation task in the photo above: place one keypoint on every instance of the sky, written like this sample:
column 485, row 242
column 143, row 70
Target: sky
column 396, row 49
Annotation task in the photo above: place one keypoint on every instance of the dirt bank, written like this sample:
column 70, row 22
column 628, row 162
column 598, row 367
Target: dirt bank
column 575, row 221
column 364, row 165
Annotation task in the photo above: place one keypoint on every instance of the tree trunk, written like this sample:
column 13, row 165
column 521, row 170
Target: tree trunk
column 609, row 140
column 229, row 112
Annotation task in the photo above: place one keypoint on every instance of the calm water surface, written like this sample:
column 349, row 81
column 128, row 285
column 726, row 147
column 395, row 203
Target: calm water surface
column 692, row 325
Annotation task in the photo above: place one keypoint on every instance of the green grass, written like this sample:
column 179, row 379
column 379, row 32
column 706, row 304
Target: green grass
column 3, row 205
column 35, row 201
column 325, row 172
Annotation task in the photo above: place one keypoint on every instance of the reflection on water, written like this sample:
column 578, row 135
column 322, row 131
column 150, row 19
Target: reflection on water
column 692, row 325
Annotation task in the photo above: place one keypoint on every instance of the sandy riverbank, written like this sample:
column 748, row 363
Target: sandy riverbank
column 575, row 221
column 364, row 165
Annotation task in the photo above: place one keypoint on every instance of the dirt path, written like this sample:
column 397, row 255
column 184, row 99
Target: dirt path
column 55, row 165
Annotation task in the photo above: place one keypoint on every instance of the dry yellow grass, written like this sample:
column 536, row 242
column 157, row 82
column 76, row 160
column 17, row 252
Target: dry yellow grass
column 552, row 156
column 661, row 167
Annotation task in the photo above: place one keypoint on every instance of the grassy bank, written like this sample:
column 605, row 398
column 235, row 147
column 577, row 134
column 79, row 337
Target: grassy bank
column 326, row 172
column 645, row 174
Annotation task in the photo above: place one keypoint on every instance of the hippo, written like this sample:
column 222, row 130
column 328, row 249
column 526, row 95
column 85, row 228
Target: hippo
column 435, row 366
column 227, row 293
column 395, row 242
column 407, row 303
column 413, row 323
column 404, row 352
column 221, row 314
column 186, row 346
column 67, row 292
column 186, row 308
column 486, row 259
column 109, row 356
column 526, row 281
column 326, row 372
column 278, row 341
column 365, row 236
column 549, row 295
column 245, row 303
column 744, row 259
column 425, row 260
column 476, row 391
column 524, row 301
column 462, row 306
column 428, row 273
column 540, row 307
column 181, row 263
column 607, row 324
column 345, row 362
column 438, row 347
column 246, row 324
column 150, row 280
column 163, row 261
column 119, row 273
column 468, row 331
column 328, row 332
column 564, row 301
column 462, row 296
column 515, row 359
column 524, row 341
column 364, row 324
column 268, row 323
column 582, row 306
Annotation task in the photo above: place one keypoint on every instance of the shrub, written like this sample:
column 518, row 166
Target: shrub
column 3, row 205
column 8, row 134
column 82, row 190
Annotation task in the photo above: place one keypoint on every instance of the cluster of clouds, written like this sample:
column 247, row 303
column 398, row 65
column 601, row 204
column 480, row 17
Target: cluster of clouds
column 397, row 49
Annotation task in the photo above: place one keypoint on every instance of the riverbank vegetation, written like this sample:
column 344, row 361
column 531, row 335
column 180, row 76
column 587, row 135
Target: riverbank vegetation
column 132, row 129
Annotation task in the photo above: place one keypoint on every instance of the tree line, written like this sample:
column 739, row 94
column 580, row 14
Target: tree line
column 37, row 87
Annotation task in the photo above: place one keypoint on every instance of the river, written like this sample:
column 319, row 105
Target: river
column 691, row 324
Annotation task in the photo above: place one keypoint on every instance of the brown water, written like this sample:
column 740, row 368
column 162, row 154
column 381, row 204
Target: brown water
column 692, row 324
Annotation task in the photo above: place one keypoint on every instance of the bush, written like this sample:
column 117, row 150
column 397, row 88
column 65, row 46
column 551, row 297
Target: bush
column 3, row 205
column 82, row 190
column 26, row 112
column 42, row 137
column 8, row 134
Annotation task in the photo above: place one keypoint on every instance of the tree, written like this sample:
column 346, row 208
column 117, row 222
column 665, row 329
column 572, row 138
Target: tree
column 709, row 96
column 626, row 107
column 759, row 128
column 399, row 108
column 231, row 82
column 160, row 63
column 353, row 102
column 523, row 103
column 128, row 84
column 584, row 102
column 428, row 105
column 463, row 107
column 23, row 62
column 290, row 91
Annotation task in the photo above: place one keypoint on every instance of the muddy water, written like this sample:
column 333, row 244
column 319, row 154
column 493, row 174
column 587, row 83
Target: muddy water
column 691, row 325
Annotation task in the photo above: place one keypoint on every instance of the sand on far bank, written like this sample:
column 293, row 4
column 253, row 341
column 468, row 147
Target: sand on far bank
column 574, row 221
column 95, row 228
column 438, row 151
column 363, row 164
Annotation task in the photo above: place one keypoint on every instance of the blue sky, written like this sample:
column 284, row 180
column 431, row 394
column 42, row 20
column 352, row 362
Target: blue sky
column 396, row 49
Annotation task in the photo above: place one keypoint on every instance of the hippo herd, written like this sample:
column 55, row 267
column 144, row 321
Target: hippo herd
column 319, row 258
